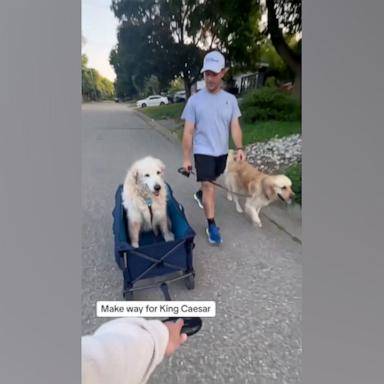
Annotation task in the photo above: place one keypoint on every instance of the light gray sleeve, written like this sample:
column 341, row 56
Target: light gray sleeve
column 123, row 351
column 189, row 113
column 235, row 109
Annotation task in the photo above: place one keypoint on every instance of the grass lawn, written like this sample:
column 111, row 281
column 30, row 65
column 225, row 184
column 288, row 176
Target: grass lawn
column 252, row 133
column 266, row 130
column 168, row 111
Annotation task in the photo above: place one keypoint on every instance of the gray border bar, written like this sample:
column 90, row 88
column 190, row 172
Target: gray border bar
column 342, row 193
column 40, row 200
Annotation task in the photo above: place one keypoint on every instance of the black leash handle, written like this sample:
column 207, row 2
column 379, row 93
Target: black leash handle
column 186, row 172
column 191, row 325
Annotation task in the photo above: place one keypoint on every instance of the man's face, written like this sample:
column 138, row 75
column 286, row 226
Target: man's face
column 213, row 80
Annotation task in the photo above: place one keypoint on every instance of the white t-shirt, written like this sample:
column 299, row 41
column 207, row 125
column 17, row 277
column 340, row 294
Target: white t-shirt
column 211, row 113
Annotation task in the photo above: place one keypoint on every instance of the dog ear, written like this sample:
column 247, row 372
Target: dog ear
column 268, row 188
column 161, row 165
column 134, row 174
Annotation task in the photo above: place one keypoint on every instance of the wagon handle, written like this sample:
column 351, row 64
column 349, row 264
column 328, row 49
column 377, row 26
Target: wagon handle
column 191, row 324
column 165, row 290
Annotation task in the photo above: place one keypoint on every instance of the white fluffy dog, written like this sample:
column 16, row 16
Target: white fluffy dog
column 144, row 198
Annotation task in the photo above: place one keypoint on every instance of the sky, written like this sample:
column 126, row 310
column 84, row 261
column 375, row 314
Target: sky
column 99, row 27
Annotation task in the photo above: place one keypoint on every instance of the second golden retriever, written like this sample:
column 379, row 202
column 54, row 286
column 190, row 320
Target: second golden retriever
column 260, row 188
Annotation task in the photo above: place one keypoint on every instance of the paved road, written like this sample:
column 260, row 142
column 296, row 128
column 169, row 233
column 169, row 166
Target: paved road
column 255, row 277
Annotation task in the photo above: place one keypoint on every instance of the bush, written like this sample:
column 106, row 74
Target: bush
column 268, row 103
column 271, row 82
column 294, row 173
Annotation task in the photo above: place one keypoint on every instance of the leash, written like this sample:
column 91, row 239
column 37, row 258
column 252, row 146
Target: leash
column 148, row 203
column 188, row 172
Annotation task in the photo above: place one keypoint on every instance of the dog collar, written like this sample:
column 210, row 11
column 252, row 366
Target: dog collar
column 148, row 201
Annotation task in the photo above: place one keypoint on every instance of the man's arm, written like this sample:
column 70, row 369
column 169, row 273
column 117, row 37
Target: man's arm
column 123, row 347
column 187, row 143
column 237, row 137
column 128, row 350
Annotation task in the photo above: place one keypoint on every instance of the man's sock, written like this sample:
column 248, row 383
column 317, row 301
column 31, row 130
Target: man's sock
column 211, row 221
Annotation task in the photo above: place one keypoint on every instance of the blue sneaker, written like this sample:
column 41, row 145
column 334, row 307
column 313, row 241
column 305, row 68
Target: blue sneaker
column 198, row 196
column 213, row 233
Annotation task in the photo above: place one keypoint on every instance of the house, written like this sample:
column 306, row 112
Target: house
column 249, row 80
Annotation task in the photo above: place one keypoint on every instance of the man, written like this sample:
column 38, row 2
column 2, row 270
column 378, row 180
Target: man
column 209, row 115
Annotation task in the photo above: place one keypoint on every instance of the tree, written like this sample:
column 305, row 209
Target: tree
column 277, row 66
column 288, row 14
column 152, row 85
column 232, row 27
column 168, row 38
column 93, row 85
column 157, row 37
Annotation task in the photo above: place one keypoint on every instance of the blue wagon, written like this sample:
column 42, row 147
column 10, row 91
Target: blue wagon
column 154, row 257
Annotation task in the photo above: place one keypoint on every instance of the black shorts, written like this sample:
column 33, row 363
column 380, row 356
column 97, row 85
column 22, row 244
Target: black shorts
column 209, row 168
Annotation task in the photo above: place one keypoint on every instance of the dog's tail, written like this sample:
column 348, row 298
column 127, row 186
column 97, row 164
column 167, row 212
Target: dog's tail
column 230, row 159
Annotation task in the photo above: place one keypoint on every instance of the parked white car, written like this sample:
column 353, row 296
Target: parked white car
column 179, row 97
column 152, row 101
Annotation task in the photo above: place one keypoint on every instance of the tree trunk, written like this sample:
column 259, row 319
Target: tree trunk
column 187, row 85
column 297, row 85
column 282, row 48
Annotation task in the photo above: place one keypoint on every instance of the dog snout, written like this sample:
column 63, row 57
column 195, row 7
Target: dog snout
column 157, row 187
column 291, row 198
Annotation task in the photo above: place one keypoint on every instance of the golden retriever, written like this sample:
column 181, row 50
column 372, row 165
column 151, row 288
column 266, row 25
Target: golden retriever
column 261, row 189
column 144, row 198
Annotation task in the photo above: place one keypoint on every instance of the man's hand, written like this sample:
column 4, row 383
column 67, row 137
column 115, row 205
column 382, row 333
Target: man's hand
column 175, row 337
column 240, row 155
column 187, row 165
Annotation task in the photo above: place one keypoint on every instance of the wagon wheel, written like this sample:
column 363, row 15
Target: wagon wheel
column 128, row 295
column 190, row 282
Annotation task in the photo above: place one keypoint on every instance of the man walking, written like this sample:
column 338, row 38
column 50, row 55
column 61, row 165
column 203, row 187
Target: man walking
column 209, row 115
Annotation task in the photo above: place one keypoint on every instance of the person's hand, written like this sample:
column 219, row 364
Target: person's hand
column 240, row 155
column 175, row 337
column 187, row 165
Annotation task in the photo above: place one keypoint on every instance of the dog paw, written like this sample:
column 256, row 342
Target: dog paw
column 135, row 245
column 229, row 197
column 239, row 209
column 258, row 224
column 169, row 236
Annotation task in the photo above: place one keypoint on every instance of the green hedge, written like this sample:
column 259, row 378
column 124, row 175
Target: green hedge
column 269, row 104
column 294, row 173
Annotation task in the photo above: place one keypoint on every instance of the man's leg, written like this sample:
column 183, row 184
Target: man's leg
column 208, row 199
column 213, row 231
column 206, row 170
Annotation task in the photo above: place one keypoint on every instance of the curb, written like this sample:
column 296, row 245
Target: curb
column 162, row 130
column 286, row 218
